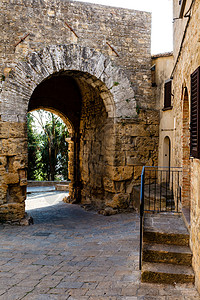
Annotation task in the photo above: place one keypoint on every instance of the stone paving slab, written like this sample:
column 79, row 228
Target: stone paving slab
column 40, row 189
column 72, row 254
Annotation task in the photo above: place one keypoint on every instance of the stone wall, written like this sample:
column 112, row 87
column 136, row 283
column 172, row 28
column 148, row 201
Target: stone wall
column 13, row 163
column 112, row 154
column 189, row 60
column 94, row 137
column 65, row 64
column 127, row 31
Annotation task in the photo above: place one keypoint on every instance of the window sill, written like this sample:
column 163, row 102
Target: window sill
column 167, row 108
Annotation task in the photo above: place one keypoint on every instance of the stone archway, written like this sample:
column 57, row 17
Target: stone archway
column 90, row 71
column 186, row 165
column 99, row 72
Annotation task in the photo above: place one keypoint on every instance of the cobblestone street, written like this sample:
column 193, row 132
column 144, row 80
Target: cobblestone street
column 70, row 253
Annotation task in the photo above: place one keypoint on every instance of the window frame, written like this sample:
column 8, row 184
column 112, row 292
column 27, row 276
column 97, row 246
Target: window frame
column 195, row 114
column 182, row 4
column 168, row 95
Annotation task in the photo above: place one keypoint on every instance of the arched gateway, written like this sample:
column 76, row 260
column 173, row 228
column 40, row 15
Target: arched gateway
column 92, row 96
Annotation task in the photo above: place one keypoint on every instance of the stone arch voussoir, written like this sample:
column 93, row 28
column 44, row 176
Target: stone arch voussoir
column 118, row 97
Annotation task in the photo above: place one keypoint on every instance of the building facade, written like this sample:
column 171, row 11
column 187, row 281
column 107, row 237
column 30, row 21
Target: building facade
column 178, row 92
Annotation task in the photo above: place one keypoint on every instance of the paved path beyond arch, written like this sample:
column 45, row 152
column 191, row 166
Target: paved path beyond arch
column 73, row 254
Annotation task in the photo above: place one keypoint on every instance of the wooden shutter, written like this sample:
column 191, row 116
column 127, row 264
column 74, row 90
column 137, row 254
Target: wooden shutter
column 195, row 120
column 167, row 94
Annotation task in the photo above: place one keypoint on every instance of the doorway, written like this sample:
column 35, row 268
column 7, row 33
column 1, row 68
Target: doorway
column 167, row 152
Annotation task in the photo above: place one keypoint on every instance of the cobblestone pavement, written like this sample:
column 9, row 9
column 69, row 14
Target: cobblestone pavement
column 73, row 254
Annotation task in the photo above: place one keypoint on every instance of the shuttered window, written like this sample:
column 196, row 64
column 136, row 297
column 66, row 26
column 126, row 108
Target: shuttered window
column 195, row 111
column 167, row 94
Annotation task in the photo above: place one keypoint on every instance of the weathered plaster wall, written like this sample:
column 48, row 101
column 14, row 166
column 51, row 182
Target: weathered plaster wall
column 163, row 68
column 179, row 25
column 189, row 60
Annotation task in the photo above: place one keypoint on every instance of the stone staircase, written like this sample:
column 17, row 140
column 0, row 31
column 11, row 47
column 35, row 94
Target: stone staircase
column 156, row 198
column 166, row 256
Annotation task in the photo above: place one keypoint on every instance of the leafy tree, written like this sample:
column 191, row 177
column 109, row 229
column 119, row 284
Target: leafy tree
column 32, row 148
column 52, row 156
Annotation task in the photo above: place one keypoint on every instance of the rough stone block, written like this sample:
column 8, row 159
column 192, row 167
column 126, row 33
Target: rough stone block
column 137, row 172
column 108, row 184
column 137, row 130
column 12, row 212
column 120, row 173
column 133, row 161
column 11, row 178
column 119, row 201
column 17, row 130
column 119, row 186
column 4, row 132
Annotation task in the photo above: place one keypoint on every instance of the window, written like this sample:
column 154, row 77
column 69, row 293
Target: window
column 167, row 94
column 195, row 110
column 153, row 75
column 182, row 7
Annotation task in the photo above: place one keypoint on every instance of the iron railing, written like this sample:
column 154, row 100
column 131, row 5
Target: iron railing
column 160, row 192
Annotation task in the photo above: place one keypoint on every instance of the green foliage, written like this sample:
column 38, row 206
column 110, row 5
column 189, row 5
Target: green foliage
column 3, row 77
column 137, row 109
column 115, row 83
column 32, row 148
column 51, row 155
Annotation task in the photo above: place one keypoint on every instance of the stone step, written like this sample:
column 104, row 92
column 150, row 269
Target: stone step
column 152, row 237
column 160, row 206
column 165, row 223
column 171, row 254
column 166, row 273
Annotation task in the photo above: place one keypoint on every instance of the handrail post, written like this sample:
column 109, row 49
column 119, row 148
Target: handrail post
column 141, row 215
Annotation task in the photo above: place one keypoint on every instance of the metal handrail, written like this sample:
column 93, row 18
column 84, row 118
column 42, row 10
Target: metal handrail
column 157, row 204
column 141, row 215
